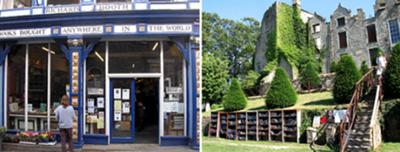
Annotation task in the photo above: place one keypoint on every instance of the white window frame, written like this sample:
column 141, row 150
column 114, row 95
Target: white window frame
column 390, row 31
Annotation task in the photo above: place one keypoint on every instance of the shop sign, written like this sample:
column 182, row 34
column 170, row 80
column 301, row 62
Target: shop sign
column 63, row 9
column 170, row 28
column 25, row 33
column 78, row 30
column 114, row 7
column 125, row 29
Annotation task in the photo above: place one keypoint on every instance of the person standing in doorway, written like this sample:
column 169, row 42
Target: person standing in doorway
column 381, row 63
column 65, row 116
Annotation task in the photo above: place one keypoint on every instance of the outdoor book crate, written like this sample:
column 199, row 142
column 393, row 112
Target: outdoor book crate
column 270, row 125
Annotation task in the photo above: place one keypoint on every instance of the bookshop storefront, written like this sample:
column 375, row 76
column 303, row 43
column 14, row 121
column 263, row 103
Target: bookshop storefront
column 128, row 83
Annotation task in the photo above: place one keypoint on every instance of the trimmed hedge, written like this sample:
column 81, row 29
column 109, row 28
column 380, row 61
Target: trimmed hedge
column 234, row 99
column 309, row 77
column 391, row 76
column 281, row 93
column 347, row 76
column 390, row 121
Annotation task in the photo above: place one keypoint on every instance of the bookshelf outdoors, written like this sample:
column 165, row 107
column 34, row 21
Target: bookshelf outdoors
column 241, row 129
column 272, row 125
column 263, row 125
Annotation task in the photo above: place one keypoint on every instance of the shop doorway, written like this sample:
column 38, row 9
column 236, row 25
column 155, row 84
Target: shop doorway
column 147, row 110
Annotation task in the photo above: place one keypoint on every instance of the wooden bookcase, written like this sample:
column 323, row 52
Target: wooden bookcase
column 251, row 128
column 213, row 127
column 272, row 125
column 241, row 128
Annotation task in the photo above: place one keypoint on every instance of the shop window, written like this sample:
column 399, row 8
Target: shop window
column 341, row 21
column 95, row 92
column 342, row 40
column 316, row 28
column 62, row 2
column 59, row 81
column 394, row 31
column 134, row 57
column 112, row 1
column 11, row 4
column 16, row 88
column 37, row 87
column 174, row 121
column 371, row 33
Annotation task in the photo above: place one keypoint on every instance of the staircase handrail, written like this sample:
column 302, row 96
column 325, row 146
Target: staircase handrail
column 350, row 116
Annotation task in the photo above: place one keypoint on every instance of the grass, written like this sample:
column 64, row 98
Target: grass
column 318, row 100
column 389, row 147
column 224, row 145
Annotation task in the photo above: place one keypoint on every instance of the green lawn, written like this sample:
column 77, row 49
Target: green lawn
column 224, row 145
column 318, row 100
column 389, row 147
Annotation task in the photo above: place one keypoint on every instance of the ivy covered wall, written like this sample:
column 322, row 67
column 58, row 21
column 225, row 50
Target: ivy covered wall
column 290, row 39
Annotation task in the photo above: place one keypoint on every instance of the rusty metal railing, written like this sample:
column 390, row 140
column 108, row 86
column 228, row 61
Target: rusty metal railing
column 362, row 87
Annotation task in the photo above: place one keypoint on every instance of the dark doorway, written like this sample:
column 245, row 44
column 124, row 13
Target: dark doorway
column 147, row 110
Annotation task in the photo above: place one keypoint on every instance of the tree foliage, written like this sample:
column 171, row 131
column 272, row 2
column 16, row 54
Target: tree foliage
column 347, row 76
column 214, row 78
column 250, row 82
column 234, row 99
column 281, row 93
column 232, row 40
column 364, row 68
column 309, row 77
column 391, row 76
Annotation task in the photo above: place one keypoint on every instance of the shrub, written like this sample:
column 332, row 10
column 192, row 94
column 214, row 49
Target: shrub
column 214, row 78
column 250, row 82
column 234, row 99
column 347, row 76
column 333, row 66
column 281, row 93
column 309, row 77
column 364, row 68
column 391, row 76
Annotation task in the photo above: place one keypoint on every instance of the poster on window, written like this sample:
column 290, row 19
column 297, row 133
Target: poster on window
column 117, row 105
column 95, row 91
column 100, row 121
column 100, row 102
column 117, row 93
column 126, row 107
column 117, row 115
column 125, row 94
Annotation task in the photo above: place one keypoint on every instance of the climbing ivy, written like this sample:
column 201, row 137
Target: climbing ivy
column 291, row 39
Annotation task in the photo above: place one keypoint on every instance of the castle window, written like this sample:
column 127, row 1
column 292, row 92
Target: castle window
column 316, row 28
column 371, row 33
column 341, row 22
column 394, row 31
column 342, row 40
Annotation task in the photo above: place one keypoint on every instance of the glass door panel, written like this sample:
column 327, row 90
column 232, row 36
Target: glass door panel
column 122, row 110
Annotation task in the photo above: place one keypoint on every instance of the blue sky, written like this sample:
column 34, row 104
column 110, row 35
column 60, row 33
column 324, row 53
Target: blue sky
column 237, row 9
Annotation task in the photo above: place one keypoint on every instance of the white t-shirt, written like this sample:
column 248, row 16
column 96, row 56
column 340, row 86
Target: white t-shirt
column 65, row 116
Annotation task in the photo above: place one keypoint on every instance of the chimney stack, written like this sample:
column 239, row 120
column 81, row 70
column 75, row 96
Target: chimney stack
column 297, row 3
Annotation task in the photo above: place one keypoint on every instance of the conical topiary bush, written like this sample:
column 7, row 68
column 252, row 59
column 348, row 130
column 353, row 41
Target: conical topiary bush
column 347, row 76
column 234, row 99
column 281, row 93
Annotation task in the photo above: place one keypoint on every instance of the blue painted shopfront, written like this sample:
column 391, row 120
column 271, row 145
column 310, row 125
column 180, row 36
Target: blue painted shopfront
column 77, row 33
